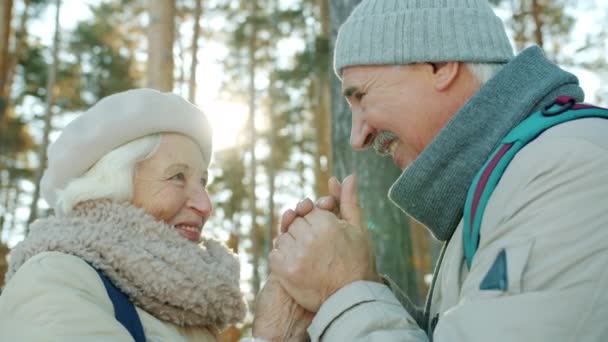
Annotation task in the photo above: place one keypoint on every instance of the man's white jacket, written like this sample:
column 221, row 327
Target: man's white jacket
column 549, row 215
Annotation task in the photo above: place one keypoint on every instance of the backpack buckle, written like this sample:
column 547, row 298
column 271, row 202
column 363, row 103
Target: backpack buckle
column 560, row 105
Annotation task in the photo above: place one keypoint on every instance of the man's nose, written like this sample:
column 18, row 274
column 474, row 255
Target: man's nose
column 361, row 134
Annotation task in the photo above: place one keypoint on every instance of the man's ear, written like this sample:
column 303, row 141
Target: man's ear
column 445, row 74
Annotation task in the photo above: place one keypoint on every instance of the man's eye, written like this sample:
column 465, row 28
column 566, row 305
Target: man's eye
column 359, row 96
column 179, row 177
column 204, row 182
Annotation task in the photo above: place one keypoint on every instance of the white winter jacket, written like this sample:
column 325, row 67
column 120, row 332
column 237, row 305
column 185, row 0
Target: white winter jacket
column 549, row 213
column 181, row 290
column 59, row 297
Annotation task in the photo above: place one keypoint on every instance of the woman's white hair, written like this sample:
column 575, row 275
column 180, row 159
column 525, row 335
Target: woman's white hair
column 111, row 177
column 484, row 71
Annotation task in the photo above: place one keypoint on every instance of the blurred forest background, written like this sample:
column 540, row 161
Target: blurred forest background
column 261, row 70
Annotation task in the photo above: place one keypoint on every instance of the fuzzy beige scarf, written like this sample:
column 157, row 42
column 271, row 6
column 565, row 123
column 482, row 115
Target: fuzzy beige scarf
column 163, row 273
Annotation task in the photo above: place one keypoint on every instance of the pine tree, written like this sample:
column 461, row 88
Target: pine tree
column 196, row 30
column 545, row 23
column 6, row 8
column 15, row 139
column 50, row 103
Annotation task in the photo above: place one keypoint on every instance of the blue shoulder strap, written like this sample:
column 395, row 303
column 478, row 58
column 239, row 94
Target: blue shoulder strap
column 562, row 110
column 124, row 310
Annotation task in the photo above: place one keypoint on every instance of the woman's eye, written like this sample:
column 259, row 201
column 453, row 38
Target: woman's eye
column 204, row 182
column 179, row 177
column 359, row 96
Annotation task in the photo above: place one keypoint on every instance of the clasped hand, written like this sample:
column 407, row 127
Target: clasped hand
column 321, row 249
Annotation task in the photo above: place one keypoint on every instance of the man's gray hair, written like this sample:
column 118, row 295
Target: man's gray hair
column 110, row 178
column 484, row 71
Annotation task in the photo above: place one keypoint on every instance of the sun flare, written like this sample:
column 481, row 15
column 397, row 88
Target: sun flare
column 227, row 120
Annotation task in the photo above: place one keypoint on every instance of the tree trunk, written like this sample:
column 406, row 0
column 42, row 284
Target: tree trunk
column 323, row 158
column 233, row 242
column 15, row 204
column 20, row 44
column 7, row 200
column 271, row 219
column 10, row 205
column 3, row 263
column 271, row 172
column 161, row 34
column 6, row 9
column 425, row 250
column 388, row 225
column 198, row 12
column 50, row 101
column 273, row 111
column 181, row 78
column 255, row 248
column 537, row 11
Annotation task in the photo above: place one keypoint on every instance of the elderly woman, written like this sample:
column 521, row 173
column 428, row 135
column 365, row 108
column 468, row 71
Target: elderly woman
column 121, row 260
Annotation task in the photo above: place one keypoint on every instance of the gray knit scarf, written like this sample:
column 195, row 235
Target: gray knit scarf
column 434, row 187
column 163, row 273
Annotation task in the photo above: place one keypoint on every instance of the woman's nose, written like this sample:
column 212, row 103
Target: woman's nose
column 200, row 202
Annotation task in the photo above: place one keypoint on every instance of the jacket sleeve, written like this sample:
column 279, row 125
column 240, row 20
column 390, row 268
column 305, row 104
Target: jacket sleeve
column 548, row 222
column 364, row 311
column 57, row 297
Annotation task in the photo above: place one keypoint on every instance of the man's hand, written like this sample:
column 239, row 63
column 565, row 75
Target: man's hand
column 277, row 316
column 329, row 203
column 320, row 253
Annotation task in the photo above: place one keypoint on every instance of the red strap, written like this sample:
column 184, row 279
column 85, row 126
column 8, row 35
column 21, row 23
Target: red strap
column 483, row 180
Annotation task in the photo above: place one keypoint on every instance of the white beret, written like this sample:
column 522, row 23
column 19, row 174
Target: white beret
column 114, row 121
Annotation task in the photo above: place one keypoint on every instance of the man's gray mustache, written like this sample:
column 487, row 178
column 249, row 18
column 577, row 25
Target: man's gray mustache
column 380, row 141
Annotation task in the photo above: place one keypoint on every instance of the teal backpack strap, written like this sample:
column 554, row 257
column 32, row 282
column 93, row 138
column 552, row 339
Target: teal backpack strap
column 562, row 110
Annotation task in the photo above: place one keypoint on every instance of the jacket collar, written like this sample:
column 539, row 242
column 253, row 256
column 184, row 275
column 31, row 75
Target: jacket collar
column 434, row 187
column 163, row 273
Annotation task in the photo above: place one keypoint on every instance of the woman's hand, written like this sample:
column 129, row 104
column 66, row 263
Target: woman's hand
column 278, row 317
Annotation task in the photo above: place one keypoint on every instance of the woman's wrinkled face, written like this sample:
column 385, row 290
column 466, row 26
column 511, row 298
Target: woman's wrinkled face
column 171, row 186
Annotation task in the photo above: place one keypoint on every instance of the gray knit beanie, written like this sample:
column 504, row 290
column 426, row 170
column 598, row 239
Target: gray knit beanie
column 396, row 32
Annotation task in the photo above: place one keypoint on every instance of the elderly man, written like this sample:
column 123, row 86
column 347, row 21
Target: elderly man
column 495, row 165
